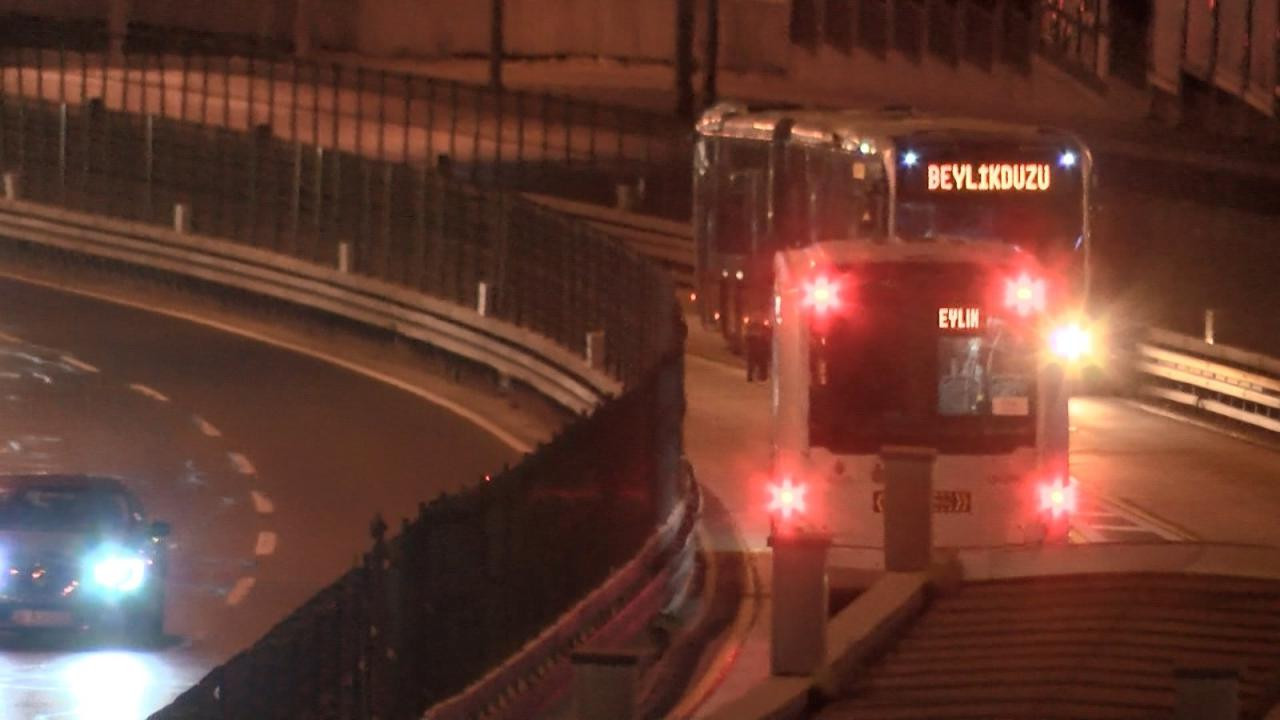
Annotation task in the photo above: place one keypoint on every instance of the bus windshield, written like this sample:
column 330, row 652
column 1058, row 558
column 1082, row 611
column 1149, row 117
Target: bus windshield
column 886, row 373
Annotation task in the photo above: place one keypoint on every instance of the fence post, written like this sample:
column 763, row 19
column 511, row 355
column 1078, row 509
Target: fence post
column 182, row 218
column 482, row 298
column 12, row 186
column 1206, row 694
column 595, row 349
column 344, row 257
column 1208, row 326
column 908, row 507
column 798, row 638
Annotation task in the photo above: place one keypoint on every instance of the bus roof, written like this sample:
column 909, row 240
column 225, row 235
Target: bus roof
column 851, row 128
column 861, row 252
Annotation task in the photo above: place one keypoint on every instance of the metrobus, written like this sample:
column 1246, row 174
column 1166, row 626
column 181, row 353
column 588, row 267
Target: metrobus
column 772, row 180
column 931, row 345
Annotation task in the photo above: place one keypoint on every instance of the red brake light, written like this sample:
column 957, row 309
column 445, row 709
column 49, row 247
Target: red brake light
column 823, row 294
column 1024, row 294
column 787, row 499
column 1059, row 498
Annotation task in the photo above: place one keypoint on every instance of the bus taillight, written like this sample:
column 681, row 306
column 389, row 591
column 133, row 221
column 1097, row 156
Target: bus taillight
column 786, row 499
column 822, row 294
column 1024, row 294
column 1059, row 498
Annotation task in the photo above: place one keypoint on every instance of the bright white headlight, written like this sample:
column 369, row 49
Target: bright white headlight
column 115, row 571
column 1071, row 342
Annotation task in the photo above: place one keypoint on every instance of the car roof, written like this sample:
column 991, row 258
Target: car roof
column 70, row 481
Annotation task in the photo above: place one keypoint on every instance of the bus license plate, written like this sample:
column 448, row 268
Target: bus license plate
column 41, row 618
column 944, row 501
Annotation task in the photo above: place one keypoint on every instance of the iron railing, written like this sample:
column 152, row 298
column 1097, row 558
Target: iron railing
column 494, row 137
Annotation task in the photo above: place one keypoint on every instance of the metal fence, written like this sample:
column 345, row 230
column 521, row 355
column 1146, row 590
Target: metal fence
column 465, row 583
column 399, row 222
column 474, row 575
column 499, row 138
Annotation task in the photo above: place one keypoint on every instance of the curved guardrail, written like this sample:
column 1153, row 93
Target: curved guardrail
column 1234, row 383
column 514, row 352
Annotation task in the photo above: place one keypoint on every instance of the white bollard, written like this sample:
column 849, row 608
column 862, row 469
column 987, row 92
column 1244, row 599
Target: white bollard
column 595, row 349
column 798, row 639
column 604, row 684
column 482, row 298
column 344, row 257
column 1208, row 326
column 908, row 507
column 182, row 218
column 1206, row 694
column 11, row 186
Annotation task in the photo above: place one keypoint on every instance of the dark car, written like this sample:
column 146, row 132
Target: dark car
column 76, row 552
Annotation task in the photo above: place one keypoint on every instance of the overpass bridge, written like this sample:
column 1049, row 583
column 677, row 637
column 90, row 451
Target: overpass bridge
column 261, row 203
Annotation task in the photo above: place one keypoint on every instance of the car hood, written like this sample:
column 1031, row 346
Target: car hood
column 20, row 547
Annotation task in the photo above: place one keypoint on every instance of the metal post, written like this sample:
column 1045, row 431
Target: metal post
column 1207, row 694
column 344, row 257
column 11, row 186
column 595, row 349
column 908, row 507
column 182, row 218
column 1208, row 326
column 798, row 637
column 149, row 162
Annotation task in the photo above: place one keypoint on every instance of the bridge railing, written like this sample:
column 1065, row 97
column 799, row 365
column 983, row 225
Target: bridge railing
column 1238, row 384
column 497, row 137
column 477, row 575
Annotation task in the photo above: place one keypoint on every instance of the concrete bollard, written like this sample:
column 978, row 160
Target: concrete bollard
column 182, row 218
column 1206, row 694
column 11, row 186
column 595, row 349
column 344, row 257
column 908, row 507
column 798, row 640
column 604, row 683
column 1208, row 326
column 482, row 298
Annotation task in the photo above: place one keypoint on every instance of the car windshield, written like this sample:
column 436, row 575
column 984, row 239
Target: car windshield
column 60, row 508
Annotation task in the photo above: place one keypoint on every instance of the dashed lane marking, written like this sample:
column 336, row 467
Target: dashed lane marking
column 206, row 427
column 266, row 543
column 452, row 406
column 149, row 392
column 261, row 503
column 79, row 364
column 241, row 463
column 240, row 590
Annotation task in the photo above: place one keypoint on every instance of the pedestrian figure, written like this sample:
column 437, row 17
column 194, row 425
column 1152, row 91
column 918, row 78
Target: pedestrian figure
column 759, row 348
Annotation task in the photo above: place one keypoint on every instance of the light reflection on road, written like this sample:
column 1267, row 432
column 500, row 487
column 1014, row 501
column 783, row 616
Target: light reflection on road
column 93, row 684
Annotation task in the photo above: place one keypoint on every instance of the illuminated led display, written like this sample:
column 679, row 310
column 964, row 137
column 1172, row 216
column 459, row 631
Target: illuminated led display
column 989, row 177
column 956, row 318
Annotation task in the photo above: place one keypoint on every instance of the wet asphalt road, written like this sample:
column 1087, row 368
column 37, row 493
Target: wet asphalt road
column 268, row 464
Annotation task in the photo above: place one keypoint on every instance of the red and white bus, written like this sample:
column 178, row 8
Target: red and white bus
column 937, row 345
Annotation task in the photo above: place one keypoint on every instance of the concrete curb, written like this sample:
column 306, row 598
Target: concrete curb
column 854, row 635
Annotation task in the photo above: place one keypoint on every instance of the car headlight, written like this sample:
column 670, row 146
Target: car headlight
column 118, row 571
column 1071, row 342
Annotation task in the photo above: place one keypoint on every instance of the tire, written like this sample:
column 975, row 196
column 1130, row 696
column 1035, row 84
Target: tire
column 144, row 624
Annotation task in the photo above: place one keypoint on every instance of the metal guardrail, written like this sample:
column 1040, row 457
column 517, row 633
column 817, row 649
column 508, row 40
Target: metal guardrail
column 1223, row 380
column 548, row 368
column 665, row 242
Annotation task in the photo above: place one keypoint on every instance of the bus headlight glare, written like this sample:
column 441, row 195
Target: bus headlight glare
column 1071, row 342
column 119, row 572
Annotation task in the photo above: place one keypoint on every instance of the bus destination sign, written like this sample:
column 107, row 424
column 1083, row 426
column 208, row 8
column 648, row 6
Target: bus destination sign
column 989, row 177
column 959, row 318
